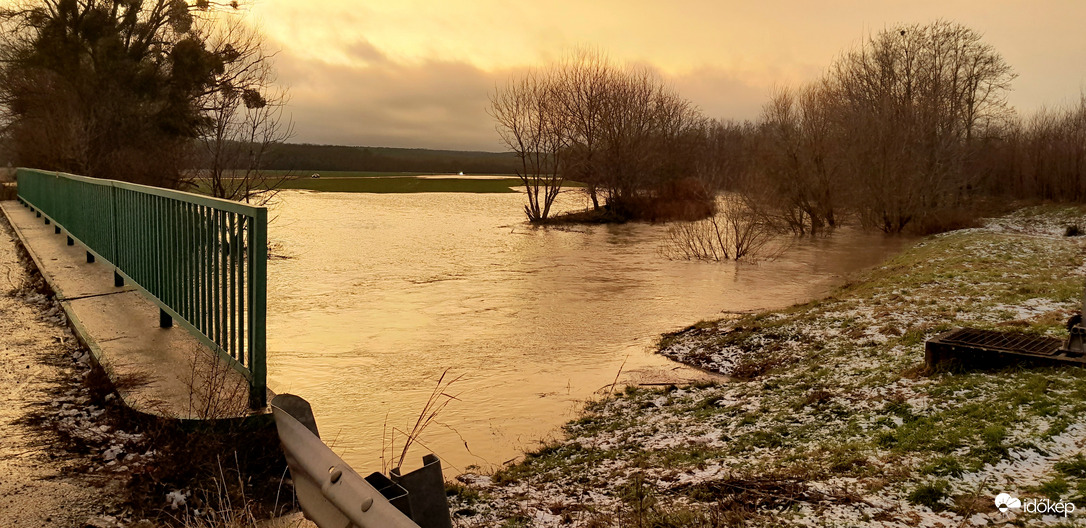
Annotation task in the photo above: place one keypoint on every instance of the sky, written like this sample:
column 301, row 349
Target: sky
column 407, row 73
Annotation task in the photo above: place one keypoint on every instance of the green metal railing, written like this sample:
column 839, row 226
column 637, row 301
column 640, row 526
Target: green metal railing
column 202, row 260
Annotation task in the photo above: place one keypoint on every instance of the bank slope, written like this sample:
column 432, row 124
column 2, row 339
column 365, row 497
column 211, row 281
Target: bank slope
column 831, row 418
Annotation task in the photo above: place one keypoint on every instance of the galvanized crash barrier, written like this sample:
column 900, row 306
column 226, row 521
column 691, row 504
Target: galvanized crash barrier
column 333, row 495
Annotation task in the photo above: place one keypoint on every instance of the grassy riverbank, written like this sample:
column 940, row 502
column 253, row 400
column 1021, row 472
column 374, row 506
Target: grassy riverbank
column 831, row 419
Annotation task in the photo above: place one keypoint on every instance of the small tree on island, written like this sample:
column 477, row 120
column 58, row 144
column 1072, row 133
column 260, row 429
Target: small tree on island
column 621, row 132
column 532, row 125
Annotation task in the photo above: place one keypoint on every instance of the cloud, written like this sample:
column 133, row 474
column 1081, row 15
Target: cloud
column 378, row 102
column 421, row 74
column 721, row 94
column 364, row 51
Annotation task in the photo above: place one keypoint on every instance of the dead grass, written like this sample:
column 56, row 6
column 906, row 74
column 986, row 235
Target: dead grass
column 216, row 391
column 439, row 399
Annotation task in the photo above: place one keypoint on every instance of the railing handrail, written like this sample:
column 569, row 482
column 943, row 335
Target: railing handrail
column 203, row 260
column 185, row 196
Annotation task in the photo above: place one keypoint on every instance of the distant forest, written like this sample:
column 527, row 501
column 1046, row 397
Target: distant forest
column 306, row 157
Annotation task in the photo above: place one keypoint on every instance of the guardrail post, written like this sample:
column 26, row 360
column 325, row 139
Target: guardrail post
column 426, row 493
column 90, row 258
column 71, row 242
column 56, row 229
column 118, row 280
column 164, row 319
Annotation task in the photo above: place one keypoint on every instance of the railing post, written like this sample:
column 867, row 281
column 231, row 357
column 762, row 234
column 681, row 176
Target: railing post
column 118, row 280
column 164, row 319
column 258, row 307
column 113, row 226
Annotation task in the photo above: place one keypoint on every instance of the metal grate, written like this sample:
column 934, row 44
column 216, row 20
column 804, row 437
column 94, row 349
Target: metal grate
column 1003, row 341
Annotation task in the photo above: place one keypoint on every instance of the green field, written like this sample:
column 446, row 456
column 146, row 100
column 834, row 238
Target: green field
column 402, row 184
column 299, row 174
column 382, row 182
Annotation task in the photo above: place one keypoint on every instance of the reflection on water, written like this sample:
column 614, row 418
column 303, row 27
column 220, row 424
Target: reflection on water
column 386, row 291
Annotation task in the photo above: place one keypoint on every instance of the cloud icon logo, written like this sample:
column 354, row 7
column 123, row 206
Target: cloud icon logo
column 1005, row 502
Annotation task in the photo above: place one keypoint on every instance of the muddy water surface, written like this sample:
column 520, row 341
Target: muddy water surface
column 385, row 292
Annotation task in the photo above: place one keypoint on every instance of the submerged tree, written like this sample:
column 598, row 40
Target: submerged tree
column 624, row 134
column 532, row 125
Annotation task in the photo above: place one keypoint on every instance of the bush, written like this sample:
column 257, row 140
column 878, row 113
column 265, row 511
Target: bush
column 932, row 495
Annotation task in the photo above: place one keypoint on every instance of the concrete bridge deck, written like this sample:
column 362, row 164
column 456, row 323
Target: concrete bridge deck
column 161, row 371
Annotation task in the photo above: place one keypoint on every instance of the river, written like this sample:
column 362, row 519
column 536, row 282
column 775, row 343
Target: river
column 383, row 293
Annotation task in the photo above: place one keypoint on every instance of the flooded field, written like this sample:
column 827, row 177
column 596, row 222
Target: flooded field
column 383, row 293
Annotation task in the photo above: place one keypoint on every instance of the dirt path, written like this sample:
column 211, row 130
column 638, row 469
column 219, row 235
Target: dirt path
column 42, row 483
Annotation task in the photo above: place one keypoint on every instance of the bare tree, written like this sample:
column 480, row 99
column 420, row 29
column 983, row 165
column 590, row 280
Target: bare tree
column 583, row 78
column 725, row 154
column 1043, row 156
column 650, row 136
column 910, row 101
column 622, row 132
column 245, row 111
column 532, row 124
column 736, row 231
column 799, row 159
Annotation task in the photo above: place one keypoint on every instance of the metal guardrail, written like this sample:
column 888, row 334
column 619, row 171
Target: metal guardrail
column 330, row 492
column 202, row 260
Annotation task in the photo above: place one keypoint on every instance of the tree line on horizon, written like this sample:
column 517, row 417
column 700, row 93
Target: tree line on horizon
column 310, row 157
column 909, row 131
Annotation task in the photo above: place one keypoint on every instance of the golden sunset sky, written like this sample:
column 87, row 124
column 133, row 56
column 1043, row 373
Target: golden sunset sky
column 416, row 73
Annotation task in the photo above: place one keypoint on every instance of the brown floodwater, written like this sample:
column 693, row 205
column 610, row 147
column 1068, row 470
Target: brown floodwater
column 382, row 293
